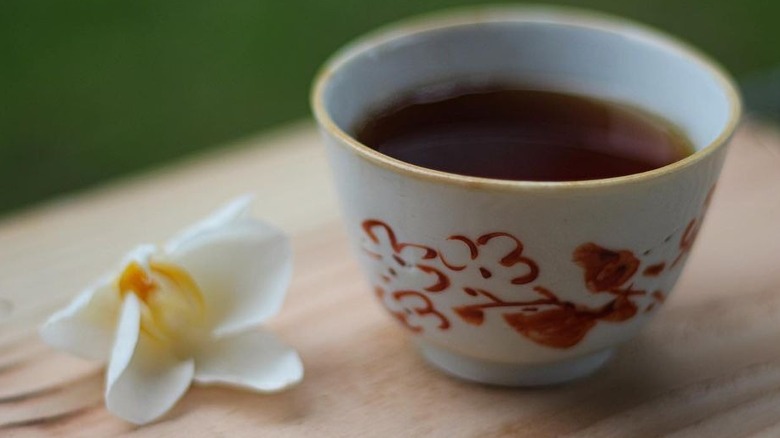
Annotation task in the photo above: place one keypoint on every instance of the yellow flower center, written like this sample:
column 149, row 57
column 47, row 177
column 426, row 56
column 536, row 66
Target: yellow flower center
column 134, row 279
column 172, row 304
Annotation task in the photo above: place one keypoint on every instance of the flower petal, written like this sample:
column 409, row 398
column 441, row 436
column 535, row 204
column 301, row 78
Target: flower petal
column 144, row 378
column 234, row 211
column 243, row 271
column 127, row 332
column 86, row 326
column 256, row 360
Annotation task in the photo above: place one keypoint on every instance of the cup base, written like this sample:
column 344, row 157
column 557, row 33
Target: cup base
column 506, row 374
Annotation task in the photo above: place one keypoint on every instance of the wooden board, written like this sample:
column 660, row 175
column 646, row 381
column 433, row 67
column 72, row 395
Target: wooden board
column 709, row 365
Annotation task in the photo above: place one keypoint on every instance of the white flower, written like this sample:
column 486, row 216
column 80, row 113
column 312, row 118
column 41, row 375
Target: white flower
column 186, row 312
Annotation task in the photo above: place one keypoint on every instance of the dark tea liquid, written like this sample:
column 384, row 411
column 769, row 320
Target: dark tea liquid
column 521, row 134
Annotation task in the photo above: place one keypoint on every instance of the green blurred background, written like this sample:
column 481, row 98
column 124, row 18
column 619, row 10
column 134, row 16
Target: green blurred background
column 94, row 89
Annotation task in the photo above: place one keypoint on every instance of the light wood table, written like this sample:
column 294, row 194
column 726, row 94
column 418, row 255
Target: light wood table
column 708, row 366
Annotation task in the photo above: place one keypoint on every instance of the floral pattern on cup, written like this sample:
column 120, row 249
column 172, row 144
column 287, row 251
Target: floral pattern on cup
column 410, row 275
column 405, row 278
column 553, row 322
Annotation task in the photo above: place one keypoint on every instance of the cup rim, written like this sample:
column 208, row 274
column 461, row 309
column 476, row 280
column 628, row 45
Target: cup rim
column 508, row 14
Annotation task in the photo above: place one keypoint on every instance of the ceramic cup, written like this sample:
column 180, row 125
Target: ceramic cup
column 517, row 282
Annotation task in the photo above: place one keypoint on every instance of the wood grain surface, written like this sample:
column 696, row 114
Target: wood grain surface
column 707, row 366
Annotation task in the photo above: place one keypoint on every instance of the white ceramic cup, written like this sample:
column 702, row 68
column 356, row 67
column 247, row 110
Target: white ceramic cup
column 517, row 282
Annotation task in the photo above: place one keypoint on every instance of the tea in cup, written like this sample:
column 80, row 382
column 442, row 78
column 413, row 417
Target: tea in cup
column 522, row 186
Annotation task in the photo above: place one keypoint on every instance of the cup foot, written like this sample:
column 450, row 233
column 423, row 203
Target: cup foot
column 507, row 374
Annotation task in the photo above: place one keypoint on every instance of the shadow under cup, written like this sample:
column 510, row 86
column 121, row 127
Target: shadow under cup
column 518, row 282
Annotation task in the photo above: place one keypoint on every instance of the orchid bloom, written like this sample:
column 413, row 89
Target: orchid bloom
column 186, row 311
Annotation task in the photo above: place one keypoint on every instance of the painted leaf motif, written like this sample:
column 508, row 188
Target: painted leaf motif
column 471, row 314
column 619, row 310
column 605, row 269
column 560, row 327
